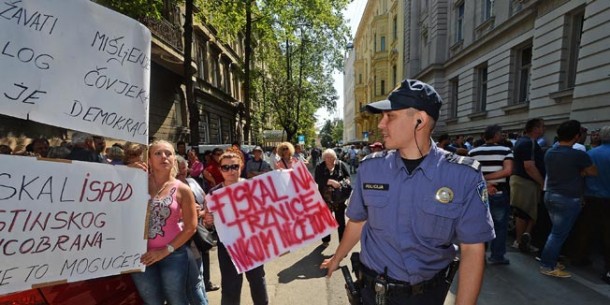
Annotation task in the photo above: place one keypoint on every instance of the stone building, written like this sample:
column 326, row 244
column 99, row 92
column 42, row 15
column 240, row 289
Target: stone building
column 506, row 61
column 378, row 67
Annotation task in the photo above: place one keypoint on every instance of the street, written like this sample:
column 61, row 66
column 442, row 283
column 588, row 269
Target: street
column 295, row 279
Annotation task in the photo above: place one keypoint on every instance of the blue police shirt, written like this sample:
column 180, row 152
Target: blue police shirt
column 414, row 221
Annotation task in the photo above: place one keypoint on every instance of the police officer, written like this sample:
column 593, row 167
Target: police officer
column 412, row 206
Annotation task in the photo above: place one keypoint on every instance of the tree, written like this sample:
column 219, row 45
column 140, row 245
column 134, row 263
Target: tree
column 338, row 131
column 298, row 46
column 326, row 135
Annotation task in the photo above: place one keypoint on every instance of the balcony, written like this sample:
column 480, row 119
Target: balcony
column 169, row 33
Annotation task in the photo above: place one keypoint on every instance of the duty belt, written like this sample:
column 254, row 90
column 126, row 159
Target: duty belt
column 369, row 276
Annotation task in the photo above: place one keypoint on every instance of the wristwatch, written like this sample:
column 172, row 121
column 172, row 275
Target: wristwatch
column 170, row 249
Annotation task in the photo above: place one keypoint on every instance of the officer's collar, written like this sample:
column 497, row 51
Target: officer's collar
column 429, row 166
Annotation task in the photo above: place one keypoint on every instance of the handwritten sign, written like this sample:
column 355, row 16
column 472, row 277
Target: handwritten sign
column 271, row 214
column 68, row 221
column 75, row 64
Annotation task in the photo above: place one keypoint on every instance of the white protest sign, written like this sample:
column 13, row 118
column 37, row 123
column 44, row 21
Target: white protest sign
column 68, row 221
column 77, row 65
column 271, row 214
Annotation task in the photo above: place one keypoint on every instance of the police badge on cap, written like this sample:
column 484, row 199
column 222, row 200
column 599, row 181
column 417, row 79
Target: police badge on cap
column 411, row 93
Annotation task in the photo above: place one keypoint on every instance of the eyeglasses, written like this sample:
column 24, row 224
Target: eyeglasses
column 226, row 168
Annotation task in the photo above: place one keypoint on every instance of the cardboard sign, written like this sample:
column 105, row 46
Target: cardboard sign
column 68, row 221
column 75, row 64
column 271, row 214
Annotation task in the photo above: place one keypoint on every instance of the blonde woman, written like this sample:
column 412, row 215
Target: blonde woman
column 286, row 153
column 172, row 221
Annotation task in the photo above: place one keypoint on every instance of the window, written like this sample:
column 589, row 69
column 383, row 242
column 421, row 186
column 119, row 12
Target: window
column 179, row 119
column 395, row 28
column 570, row 57
column 382, row 43
column 394, row 76
column 201, row 60
column 454, row 85
column 522, row 79
column 459, row 23
column 382, row 87
column 360, row 78
column 481, row 83
column 488, row 9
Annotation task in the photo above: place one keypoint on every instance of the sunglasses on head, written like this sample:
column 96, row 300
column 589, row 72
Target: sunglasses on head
column 226, row 168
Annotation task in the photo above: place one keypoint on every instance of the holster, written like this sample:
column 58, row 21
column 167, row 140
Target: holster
column 353, row 288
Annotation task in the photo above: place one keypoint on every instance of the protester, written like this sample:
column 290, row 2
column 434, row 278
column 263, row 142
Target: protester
column 565, row 168
column 315, row 156
column 375, row 147
column 172, row 221
column 257, row 166
column 332, row 176
column 40, row 147
column 83, row 148
column 285, row 152
column 133, row 153
column 526, row 183
column 195, row 166
column 115, row 155
column 412, row 203
column 497, row 165
column 231, row 281
column 353, row 160
column 181, row 149
column 212, row 174
column 100, row 148
column 5, row 150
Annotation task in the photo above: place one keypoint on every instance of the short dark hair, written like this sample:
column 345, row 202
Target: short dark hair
column 533, row 123
column 491, row 131
column 443, row 137
column 568, row 130
column 180, row 143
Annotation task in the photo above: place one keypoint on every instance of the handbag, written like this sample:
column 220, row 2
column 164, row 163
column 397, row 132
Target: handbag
column 204, row 238
column 341, row 194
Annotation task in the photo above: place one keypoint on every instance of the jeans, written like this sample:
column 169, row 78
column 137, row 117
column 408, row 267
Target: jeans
column 165, row 280
column 195, row 285
column 563, row 212
column 231, row 281
column 499, row 208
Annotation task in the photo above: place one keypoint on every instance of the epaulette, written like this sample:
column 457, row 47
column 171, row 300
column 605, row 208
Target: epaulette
column 375, row 155
column 468, row 161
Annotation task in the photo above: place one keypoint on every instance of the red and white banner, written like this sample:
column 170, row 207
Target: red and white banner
column 264, row 217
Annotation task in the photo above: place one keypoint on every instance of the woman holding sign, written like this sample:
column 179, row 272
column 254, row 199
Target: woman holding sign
column 231, row 281
column 172, row 221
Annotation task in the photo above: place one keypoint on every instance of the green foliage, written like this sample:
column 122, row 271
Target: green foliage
column 298, row 45
column 137, row 8
column 331, row 133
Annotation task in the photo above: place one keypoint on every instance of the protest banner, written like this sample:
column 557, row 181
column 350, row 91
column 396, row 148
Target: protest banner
column 68, row 221
column 271, row 214
column 75, row 64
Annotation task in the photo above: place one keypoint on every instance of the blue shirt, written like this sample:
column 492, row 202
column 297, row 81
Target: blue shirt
column 563, row 167
column 599, row 186
column 407, row 229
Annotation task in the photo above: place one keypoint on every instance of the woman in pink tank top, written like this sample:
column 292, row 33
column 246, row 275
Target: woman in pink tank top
column 172, row 221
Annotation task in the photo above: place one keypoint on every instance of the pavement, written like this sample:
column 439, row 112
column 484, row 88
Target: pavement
column 296, row 279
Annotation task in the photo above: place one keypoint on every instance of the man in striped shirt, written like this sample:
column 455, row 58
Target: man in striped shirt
column 496, row 165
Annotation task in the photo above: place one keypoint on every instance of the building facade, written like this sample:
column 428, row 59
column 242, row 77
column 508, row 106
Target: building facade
column 378, row 67
column 349, row 126
column 507, row 61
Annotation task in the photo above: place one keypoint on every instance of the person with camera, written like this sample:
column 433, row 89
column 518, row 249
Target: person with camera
column 332, row 177
column 413, row 206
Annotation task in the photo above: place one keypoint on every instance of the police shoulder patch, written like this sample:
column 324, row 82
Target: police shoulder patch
column 468, row 161
column 375, row 155
column 482, row 190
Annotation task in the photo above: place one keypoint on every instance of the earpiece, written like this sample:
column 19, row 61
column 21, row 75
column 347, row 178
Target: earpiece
column 418, row 122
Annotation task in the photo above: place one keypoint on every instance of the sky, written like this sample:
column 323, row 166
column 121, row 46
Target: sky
column 353, row 13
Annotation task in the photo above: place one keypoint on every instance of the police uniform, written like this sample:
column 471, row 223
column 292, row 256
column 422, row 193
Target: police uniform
column 414, row 220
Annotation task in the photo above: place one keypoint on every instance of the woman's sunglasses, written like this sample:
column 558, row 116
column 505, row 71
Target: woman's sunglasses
column 226, row 168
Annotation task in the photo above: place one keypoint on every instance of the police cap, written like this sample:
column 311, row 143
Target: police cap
column 411, row 93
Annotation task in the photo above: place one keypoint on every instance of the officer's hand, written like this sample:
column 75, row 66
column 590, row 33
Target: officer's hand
column 331, row 264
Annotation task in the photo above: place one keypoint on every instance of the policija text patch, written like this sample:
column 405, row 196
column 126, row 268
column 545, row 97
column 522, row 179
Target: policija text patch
column 376, row 186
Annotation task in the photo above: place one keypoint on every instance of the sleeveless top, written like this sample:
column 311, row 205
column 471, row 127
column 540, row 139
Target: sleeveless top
column 164, row 219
